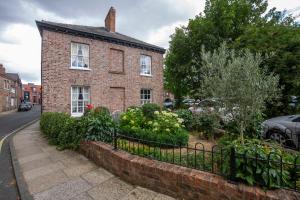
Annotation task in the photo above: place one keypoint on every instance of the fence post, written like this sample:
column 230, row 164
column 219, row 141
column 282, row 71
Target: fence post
column 115, row 140
column 232, row 164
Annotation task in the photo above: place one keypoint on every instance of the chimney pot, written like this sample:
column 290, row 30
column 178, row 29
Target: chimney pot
column 110, row 20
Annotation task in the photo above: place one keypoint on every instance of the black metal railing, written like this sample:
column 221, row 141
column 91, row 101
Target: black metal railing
column 270, row 171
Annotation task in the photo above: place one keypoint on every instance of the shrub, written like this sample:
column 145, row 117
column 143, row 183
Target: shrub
column 98, row 126
column 149, row 109
column 61, row 130
column 187, row 117
column 163, row 127
column 52, row 124
column 254, row 171
column 102, row 109
column 70, row 136
column 206, row 122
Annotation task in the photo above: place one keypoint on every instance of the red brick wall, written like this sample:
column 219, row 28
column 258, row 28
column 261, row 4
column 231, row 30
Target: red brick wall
column 179, row 182
column 57, row 78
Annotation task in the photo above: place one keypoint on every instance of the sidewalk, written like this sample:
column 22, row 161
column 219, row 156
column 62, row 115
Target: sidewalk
column 62, row 175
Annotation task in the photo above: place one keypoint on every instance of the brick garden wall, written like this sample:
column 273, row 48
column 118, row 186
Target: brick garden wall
column 176, row 181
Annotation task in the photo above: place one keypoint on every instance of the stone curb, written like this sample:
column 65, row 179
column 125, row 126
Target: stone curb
column 21, row 184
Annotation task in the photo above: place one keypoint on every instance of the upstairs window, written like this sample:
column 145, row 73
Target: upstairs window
column 79, row 56
column 145, row 65
column 145, row 96
column 80, row 99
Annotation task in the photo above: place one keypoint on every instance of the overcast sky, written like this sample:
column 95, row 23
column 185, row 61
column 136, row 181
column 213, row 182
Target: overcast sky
column 149, row 20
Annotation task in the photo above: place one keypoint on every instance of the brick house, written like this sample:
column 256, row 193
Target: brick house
column 96, row 65
column 32, row 93
column 10, row 90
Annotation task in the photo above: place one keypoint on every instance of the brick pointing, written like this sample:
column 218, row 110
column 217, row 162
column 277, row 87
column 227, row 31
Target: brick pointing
column 176, row 181
column 57, row 78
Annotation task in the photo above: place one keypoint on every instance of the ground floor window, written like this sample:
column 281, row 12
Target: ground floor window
column 145, row 96
column 80, row 98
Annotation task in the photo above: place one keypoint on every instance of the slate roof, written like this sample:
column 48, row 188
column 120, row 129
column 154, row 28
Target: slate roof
column 13, row 76
column 100, row 33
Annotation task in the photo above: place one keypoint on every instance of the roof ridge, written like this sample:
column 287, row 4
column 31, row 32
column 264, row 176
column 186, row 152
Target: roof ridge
column 98, row 32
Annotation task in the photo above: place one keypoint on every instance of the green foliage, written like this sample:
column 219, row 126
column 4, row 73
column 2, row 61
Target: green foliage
column 187, row 117
column 148, row 110
column 52, row 124
column 240, row 84
column 102, row 109
column 243, row 25
column 99, row 125
column 206, row 122
column 255, row 171
column 61, row 130
column 161, row 127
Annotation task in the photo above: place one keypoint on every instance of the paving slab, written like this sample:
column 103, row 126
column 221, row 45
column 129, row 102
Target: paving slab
column 112, row 189
column 140, row 194
column 49, row 174
column 42, row 183
column 64, row 190
column 97, row 176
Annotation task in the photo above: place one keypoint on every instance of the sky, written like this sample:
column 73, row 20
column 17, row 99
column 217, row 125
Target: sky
column 152, row 21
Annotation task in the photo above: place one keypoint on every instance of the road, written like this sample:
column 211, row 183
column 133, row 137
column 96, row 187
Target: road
column 8, row 123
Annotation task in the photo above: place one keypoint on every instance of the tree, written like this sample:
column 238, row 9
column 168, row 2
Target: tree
column 242, row 24
column 238, row 81
column 176, row 65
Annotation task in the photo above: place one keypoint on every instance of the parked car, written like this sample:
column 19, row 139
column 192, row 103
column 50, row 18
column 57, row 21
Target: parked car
column 190, row 102
column 284, row 130
column 23, row 107
column 29, row 104
column 168, row 103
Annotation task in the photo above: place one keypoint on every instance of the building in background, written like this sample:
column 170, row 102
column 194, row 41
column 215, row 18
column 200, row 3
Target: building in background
column 32, row 93
column 10, row 90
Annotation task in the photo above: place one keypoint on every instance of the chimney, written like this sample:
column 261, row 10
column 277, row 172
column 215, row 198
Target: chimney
column 2, row 69
column 110, row 20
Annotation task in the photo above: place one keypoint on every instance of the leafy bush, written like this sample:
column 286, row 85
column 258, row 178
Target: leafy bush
column 187, row 117
column 206, row 122
column 255, row 171
column 61, row 130
column 148, row 110
column 102, row 109
column 70, row 136
column 98, row 125
column 162, row 127
column 52, row 124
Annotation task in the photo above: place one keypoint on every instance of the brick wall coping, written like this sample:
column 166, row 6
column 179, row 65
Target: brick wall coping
column 179, row 182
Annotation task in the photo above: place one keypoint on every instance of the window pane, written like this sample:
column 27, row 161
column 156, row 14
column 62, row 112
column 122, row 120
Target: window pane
column 79, row 52
column 74, row 61
column 85, row 50
column 86, row 62
column 74, row 106
column 74, row 48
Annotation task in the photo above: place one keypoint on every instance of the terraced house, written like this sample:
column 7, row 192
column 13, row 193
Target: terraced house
column 96, row 65
column 10, row 90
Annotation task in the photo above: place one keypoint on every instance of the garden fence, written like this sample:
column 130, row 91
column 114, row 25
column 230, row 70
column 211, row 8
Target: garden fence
column 271, row 171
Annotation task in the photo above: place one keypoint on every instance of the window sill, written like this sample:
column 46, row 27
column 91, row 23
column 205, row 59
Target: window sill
column 76, row 114
column 82, row 69
column 116, row 72
column 147, row 75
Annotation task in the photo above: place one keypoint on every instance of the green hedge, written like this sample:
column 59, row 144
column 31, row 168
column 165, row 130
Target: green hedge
column 66, row 132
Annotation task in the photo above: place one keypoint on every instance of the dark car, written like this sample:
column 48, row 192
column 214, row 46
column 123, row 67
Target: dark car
column 168, row 103
column 23, row 107
column 284, row 130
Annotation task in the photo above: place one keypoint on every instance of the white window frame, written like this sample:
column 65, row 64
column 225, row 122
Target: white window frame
column 86, row 96
column 85, row 56
column 144, row 96
column 144, row 65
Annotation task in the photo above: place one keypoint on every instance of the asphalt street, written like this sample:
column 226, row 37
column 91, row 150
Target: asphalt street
column 8, row 123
